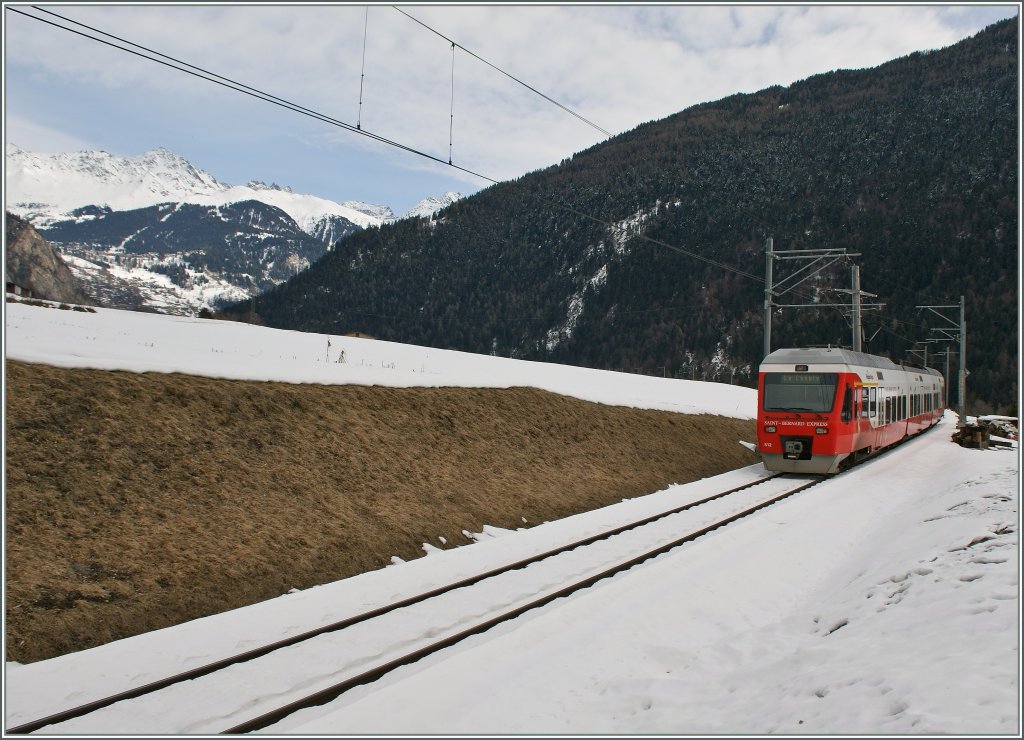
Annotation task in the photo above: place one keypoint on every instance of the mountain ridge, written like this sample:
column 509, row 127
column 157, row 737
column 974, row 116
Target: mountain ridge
column 155, row 232
column 614, row 258
column 31, row 264
column 46, row 188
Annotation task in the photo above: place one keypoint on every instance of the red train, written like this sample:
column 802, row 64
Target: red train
column 820, row 410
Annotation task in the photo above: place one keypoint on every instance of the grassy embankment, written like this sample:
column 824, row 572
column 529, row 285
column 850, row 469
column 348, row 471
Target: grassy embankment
column 139, row 501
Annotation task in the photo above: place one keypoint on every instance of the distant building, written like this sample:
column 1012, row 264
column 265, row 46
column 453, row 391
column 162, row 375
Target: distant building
column 359, row 335
column 19, row 291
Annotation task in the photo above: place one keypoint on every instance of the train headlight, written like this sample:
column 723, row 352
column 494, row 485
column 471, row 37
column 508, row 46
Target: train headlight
column 821, row 430
column 769, row 429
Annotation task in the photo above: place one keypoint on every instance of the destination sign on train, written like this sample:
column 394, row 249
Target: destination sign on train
column 804, row 379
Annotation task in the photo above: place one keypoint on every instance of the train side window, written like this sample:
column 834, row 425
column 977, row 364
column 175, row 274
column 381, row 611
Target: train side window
column 873, row 403
column 887, row 417
column 864, row 403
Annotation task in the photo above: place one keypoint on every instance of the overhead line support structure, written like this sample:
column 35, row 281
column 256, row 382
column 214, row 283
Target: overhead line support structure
column 956, row 331
column 858, row 306
column 820, row 259
column 921, row 352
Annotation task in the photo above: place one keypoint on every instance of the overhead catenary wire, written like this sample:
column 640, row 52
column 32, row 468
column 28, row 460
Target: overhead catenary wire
column 228, row 83
column 426, row 316
column 507, row 74
column 362, row 69
column 451, row 117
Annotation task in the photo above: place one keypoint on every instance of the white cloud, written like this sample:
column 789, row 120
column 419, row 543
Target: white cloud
column 617, row 65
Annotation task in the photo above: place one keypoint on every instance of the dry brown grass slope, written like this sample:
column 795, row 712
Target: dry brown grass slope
column 139, row 501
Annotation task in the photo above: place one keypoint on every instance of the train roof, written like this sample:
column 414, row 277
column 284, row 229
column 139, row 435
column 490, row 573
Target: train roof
column 837, row 356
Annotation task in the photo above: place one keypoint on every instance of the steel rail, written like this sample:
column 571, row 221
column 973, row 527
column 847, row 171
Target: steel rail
column 332, row 692
column 259, row 652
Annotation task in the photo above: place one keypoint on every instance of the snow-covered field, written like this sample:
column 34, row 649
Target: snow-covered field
column 885, row 601
column 143, row 342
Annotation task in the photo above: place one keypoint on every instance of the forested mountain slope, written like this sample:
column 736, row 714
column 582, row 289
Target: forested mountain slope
column 912, row 165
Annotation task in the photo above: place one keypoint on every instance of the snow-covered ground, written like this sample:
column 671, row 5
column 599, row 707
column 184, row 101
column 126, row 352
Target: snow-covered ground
column 884, row 601
column 143, row 342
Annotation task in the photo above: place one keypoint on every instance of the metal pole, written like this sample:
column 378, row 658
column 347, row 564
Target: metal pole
column 945, row 400
column 962, row 401
column 769, row 255
column 856, row 308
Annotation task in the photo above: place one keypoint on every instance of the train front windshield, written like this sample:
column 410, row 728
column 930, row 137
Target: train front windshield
column 800, row 391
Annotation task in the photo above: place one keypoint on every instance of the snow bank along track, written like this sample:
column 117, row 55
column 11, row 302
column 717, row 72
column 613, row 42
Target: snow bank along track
column 394, row 635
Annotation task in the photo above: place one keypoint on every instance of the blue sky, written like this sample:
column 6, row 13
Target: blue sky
column 616, row 65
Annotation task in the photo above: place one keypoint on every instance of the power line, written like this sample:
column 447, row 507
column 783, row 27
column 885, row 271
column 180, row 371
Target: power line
column 362, row 70
column 223, row 81
column 215, row 78
column 434, row 315
column 451, row 116
column 499, row 69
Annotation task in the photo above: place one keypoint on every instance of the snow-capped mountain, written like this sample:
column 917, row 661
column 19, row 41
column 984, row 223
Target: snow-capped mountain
column 45, row 188
column 383, row 213
column 429, row 206
column 154, row 231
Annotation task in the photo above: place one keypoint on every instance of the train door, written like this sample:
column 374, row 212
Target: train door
column 869, row 413
column 884, row 408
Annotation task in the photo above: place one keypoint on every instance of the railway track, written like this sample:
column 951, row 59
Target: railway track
column 317, row 666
